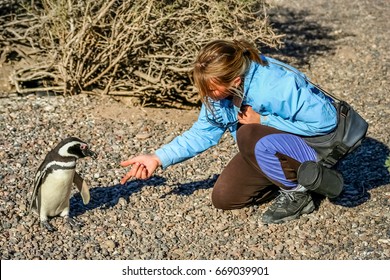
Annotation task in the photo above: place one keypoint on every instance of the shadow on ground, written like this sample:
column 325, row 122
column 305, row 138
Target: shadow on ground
column 106, row 197
column 189, row 188
column 304, row 37
column 363, row 170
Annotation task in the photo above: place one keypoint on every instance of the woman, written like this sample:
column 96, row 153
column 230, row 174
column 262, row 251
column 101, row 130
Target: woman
column 268, row 107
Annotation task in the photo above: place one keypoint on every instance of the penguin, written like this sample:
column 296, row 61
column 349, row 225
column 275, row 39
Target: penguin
column 53, row 182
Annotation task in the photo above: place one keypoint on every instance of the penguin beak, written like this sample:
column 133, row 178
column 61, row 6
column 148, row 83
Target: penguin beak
column 88, row 153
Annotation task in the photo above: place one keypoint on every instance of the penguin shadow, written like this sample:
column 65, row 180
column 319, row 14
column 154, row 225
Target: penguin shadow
column 363, row 170
column 107, row 197
column 189, row 188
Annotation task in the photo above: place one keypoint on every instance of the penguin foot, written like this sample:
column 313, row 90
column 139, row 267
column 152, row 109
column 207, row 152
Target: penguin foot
column 74, row 223
column 48, row 226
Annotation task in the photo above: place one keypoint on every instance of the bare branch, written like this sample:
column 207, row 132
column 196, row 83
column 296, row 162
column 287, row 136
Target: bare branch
column 142, row 48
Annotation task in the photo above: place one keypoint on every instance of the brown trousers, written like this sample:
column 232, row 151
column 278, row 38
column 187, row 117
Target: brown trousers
column 242, row 183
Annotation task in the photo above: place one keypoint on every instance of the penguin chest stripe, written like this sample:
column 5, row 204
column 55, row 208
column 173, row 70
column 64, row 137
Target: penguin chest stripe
column 55, row 191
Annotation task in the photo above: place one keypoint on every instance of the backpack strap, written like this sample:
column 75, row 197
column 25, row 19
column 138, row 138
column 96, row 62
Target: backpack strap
column 307, row 80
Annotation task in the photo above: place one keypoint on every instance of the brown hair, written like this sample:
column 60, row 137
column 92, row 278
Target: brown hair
column 220, row 62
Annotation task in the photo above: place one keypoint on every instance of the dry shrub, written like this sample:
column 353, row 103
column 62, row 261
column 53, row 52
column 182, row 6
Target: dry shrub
column 137, row 48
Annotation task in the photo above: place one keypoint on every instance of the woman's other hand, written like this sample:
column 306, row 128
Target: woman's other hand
column 248, row 115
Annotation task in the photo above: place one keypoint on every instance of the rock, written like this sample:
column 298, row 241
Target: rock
column 108, row 245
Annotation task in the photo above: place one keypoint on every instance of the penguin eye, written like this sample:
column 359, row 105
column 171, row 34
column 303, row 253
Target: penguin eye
column 83, row 146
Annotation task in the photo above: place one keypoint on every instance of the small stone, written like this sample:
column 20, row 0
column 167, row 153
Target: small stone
column 109, row 245
column 143, row 135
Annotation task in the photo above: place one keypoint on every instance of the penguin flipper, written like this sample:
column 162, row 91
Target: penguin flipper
column 82, row 187
column 37, row 184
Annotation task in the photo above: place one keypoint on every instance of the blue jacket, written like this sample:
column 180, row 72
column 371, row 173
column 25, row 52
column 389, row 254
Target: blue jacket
column 278, row 92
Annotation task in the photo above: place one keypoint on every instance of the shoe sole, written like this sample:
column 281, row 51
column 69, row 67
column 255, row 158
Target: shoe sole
column 305, row 210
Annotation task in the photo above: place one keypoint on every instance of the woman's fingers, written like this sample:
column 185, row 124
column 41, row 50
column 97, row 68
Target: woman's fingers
column 128, row 162
column 132, row 173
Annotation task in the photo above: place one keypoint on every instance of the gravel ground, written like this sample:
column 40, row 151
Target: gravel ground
column 344, row 45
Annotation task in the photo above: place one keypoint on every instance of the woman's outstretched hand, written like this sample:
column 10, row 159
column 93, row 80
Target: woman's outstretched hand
column 248, row 115
column 143, row 167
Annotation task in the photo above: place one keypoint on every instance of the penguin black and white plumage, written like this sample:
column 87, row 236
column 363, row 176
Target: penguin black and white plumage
column 54, row 179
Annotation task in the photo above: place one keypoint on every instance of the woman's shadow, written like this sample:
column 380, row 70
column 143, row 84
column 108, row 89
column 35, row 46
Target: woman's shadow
column 107, row 197
column 363, row 170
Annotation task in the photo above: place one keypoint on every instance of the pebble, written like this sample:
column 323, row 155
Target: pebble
column 143, row 135
column 109, row 245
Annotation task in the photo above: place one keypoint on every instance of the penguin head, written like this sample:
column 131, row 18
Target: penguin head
column 74, row 147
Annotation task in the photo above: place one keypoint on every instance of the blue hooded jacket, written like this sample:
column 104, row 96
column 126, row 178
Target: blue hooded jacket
column 278, row 92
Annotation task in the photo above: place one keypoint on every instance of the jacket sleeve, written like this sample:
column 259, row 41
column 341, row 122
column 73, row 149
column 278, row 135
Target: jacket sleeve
column 298, row 108
column 200, row 137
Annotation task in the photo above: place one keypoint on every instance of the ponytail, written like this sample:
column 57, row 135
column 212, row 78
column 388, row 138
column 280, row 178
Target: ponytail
column 248, row 50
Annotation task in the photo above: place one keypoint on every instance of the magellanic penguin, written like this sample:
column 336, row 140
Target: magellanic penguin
column 54, row 178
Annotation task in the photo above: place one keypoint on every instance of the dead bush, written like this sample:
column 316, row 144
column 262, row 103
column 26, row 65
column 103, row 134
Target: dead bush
column 137, row 48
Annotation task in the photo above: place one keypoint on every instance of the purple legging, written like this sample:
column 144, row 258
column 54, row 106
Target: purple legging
column 268, row 158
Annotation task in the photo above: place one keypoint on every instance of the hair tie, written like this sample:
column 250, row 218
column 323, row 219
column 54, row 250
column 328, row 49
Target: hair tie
column 243, row 48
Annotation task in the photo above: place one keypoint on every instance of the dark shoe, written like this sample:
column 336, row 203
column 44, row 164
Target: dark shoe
column 288, row 206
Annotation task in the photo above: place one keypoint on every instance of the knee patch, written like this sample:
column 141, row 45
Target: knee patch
column 269, row 150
